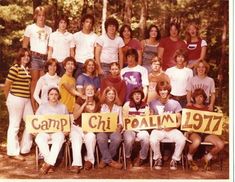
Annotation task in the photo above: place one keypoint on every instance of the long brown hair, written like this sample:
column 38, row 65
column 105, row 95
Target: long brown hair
column 103, row 99
column 20, row 54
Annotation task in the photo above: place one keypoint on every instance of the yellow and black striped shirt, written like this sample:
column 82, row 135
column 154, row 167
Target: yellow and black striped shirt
column 20, row 78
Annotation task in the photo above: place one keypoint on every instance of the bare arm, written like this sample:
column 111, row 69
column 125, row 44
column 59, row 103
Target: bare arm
column 97, row 57
column 160, row 52
column 50, row 51
column 139, row 57
column 212, row 102
column 189, row 96
column 120, row 56
column 78, row 110
column 203, row 53
column 179, row 118
column 7, row 87
column 71, row 89
column 25, row 43
column 72, row 52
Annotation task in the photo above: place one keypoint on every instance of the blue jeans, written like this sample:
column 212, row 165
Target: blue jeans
column 131, row 136
column 108, row 151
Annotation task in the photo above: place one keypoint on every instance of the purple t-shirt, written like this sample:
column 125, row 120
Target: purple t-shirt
column 171, row 106
column 83, row 80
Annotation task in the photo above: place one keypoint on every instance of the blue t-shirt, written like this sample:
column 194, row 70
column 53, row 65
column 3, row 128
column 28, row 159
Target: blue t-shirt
column 84, row 80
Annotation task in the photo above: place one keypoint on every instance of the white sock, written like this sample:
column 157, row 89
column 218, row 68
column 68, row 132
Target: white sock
column 208, row 156
column 190, row 157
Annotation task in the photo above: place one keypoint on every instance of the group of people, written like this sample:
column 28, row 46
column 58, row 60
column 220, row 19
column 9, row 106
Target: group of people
column 87, row 73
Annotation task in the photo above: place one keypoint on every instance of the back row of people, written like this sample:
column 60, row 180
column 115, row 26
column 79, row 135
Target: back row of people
column 104, row 49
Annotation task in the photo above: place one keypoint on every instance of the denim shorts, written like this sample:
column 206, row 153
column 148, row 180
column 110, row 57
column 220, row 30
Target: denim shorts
column 37, row 63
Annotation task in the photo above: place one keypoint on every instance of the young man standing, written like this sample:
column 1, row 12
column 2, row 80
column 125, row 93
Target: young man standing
column 85, row 43
column 61, row 43
column 109, row 47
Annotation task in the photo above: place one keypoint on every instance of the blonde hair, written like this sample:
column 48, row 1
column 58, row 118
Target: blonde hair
column 38, row 10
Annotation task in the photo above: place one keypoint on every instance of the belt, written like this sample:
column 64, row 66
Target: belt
column 178, row 97
column 43, row 56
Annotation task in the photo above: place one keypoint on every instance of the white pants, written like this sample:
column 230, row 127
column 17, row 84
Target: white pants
column 56, row 140
column 77, row 137
column 174, row 135
column 18, row 108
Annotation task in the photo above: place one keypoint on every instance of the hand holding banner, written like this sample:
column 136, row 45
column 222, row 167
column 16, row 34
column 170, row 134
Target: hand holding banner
column 202, row 121
column 48, row 123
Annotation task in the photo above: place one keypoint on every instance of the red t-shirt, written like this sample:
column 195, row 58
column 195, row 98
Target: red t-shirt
column 170, row 47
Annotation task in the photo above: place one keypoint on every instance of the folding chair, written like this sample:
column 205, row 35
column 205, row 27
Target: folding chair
column 66, row 154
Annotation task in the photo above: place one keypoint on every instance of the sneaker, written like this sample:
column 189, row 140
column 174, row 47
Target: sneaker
column 158, row 164
column 173, row 165
column 192, row 165
column 138, row 162
column 102, row 164
column 115, row 164
column 129, row 163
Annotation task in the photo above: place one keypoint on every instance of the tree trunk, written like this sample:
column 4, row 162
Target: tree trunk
column 127, row 12
column 143, row 17
column 104, row 14
column 85, row 7
column 223, row 52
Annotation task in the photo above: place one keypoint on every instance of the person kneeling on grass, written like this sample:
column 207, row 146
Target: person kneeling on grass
column 199, row 97
column 53, row 106
column 161, row 106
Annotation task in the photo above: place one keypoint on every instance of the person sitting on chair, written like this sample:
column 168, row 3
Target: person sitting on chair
column 199, row 97
column 53, row 106
column 161, row 106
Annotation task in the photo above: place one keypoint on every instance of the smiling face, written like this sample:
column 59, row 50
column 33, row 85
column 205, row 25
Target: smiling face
column 163, row 94
column 137, row 97
column 87, row 25
column 52, row 68
column 199, row 99
column 131, row 60
column 192, row 31
column 174, row 31
column 90, row 68
column 114, row 70
column 89, row 91
column 110, row 96
column 201, row 69
column 153, row 32
column 156, row 66
column 69, row 67
column 126, row 33
column 180, row 59
column 41, row 17
column 111, row 30
column 25, row 59
column 62, row 25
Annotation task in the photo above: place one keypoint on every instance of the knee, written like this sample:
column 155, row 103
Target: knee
column 117, row 139
column 220, row 145
column 196, row 142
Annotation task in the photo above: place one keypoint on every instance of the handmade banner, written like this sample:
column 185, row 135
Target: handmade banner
column 99, row 122
column 202, row 121
column 150, row 122
column 48, row 123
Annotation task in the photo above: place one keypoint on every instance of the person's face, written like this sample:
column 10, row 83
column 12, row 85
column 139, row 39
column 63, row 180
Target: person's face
column 199, row 100
column 153, row 32
column 137, row 97
column 110, row 96
column 126, row 33
column 192, row 31
column 25, row 59
column 156, row 66
column 62, row 25
column 114, row 70
column 131, row 61
column 53, row 96
column 69, row 67
column 89, row 91
column 41, row 17
column 52, row 68
column 173, row 31
column 90, row 67
column 111, row 30
column 87, row 24
column 180, row 60
column 201, row 69
column 163, row 94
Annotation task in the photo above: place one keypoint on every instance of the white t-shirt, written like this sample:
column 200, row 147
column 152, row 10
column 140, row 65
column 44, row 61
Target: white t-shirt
column 61, row 44
column 38, row 37
column 43, row 85
column 85, row 45
column 110, row 48
column 179, row 79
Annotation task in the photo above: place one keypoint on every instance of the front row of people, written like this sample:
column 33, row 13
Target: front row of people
column 108, row 143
